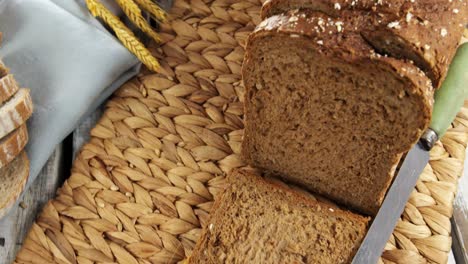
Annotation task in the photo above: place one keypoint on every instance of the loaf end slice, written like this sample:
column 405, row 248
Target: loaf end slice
column 13, row 144
column 15, row 112
column 259, row 221
column 13, row 177
column 8, row 87
column 326, row 112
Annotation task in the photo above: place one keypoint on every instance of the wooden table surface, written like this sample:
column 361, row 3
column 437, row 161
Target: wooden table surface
column 14, row 227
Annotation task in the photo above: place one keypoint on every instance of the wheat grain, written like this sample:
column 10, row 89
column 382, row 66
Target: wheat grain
column 134, row 13
column 156, row 12
column 128, row 39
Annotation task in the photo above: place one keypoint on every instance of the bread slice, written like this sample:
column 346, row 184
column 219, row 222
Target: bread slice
column 13, row 178
column 8, row 87
column 258, row 221
column 424, row 31
column 323, row 110
column 15, row 112
column 3, row 69
column 13, row 144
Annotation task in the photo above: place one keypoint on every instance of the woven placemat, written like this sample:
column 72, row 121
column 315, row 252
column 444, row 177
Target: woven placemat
column 141, row 190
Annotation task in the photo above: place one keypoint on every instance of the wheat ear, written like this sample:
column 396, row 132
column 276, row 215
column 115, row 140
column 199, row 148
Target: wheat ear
column 149, row 6
column 133, row 12
column 125, row 35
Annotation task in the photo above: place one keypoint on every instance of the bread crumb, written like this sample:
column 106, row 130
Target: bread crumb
column 409, row 16
column 443, row 32
column 394, row 24
column 339, row 25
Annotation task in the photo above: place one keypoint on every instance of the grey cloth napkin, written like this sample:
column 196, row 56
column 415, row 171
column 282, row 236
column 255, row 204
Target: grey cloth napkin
column 67, row 59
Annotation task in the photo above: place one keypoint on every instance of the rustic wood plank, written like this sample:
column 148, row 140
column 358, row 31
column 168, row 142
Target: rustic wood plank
column 81, row 133
column 14, row 227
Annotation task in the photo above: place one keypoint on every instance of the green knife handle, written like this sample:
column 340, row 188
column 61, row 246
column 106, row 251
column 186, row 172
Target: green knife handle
column 449, row 98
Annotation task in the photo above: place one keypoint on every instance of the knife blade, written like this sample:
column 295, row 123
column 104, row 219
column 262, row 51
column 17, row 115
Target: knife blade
column 394, row 204
column 448, row 101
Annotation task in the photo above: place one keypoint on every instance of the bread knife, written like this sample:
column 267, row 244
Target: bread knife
column 448, row 101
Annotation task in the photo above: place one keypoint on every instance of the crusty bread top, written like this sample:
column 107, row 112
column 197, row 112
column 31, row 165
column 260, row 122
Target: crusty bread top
column 15, row 112
column 13, row 144
column 8, row 87
column 426, row 32
column 396, row 8
column 13, row 178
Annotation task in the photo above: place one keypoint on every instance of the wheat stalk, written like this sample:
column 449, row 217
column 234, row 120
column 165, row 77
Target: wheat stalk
column 125, row 35
column 152, row 8
column 133, row 12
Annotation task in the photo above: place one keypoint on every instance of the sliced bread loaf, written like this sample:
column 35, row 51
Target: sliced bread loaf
column 258, row 221
column 327, row 112
column 13, row 178
column 13, row 144
column 15, row 112
column 426, row 31
column 8, row 87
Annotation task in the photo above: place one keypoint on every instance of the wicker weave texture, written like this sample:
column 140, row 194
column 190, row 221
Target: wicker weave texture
column 141, row 190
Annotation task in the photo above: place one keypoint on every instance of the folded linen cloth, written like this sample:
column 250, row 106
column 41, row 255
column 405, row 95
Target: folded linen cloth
column 68, row 60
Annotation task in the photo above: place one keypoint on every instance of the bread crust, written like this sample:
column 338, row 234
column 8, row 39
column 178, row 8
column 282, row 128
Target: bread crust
column 8, row 87
column 427, row 31
column 13, row 144
column 3, row 69
column 344, row 46
column 17, row 115
column 15, row 193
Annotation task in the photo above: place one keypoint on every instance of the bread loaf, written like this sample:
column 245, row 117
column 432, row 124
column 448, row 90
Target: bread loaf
column 323, row 110
column 13, row 178
column 8, row 87
column 257, row 221
column 424, row 31
column 15, row 112
column 13, row 144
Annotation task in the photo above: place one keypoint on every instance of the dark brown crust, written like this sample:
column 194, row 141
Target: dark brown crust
column 426, row 31
column 346, row 46
column 242, row 176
